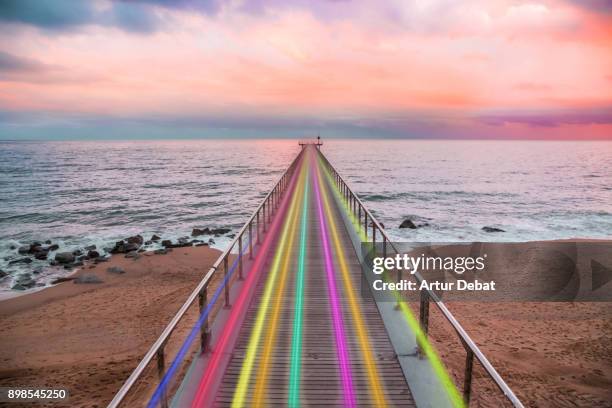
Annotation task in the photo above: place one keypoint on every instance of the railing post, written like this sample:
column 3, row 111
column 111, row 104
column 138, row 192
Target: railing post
column 251, row 239
column 204, row 328
column 467, row 381
column 258, row 227
column 264, row 216
column 423, row 319
column 225, row 271
column 373, row 233
column 240, row 258
column 160, row 370
column 359, row 218
column 365, row 224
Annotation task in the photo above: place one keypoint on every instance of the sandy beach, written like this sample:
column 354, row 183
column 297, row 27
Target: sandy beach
column 89, row 337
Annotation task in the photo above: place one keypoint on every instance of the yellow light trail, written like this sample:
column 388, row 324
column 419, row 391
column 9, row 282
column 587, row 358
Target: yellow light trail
column 264, row 365
column 249, row 360
column 378, row 395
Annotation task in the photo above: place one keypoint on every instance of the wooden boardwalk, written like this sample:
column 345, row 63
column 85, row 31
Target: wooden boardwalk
column 320, row 380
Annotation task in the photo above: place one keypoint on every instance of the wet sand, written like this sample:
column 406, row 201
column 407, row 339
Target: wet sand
column 89, row 337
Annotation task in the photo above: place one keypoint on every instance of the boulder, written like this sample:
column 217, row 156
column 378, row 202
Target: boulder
column 166, row 243
column 136, row 239
column 77, row 252
column 220, row 231
column 155, row 238
column 24, row 249
column 115, row 269
column 211, row 241
column 24, row 281
column 53, row 247
column 162, row 251
column 64, row 257
column 93, row 254
column 41, row 256
column 88, row 278
column 48, row 242
column 132, row 254
column 20, row 261
column 60, row 280
column 3, row 274
column 90, row 248
column 197, row 232
column 492, row 229
column 407, row 223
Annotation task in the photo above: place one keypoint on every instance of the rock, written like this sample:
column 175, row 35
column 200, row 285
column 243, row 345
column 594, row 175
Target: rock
column 162, row 251
column 93, row 254
column 201, row 244
column 155, row 238
column 37, row 271
column 3, row 274
column 219, row 231
column 90, row 248
column 115, row 269
column 166, row 243
column 24, row 249
column 25, row 281
column 77, row 252
column 136, row 239
column 88, row 278
column 53, row 247
column 12, row 247
column 492, row 229
column 148, row 243
column 232, row 236
column 211, row 241
column 41, row 256
column 78, row 263
column 64, row 257
column 53, row 262
column 407, row 223
column 132, row 254
column 197, row 231
column 18, row 287
column 100, row 259
column 48, row 242
column 60, row 280
column 21, row 261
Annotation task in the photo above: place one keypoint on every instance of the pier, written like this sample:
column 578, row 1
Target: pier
column 281, row 318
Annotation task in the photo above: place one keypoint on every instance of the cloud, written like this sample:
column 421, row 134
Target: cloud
column 13, row 63
column 594, row 116
column 66, row 15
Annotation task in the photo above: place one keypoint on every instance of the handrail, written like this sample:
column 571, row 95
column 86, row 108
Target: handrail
column 471, row 348
column 157, row 348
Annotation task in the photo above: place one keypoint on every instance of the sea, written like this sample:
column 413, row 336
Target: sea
column 82, row 193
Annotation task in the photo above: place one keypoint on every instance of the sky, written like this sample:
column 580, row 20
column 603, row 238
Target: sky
column 451, row 69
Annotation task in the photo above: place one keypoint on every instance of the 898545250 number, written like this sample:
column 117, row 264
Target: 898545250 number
column 9, row 394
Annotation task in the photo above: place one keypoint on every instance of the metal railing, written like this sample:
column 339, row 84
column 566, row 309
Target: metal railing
column 472, row 351
column 252, row 231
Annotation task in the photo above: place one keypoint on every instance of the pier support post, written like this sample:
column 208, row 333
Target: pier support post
column 161, row 364
column 204, row 328
column 467, row 380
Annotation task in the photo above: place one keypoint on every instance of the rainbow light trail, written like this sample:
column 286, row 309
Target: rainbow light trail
column 343, row 359
column 426, row 347
column 289, row 229
column 298, row 321
column 212, row 367
column 377, row 392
